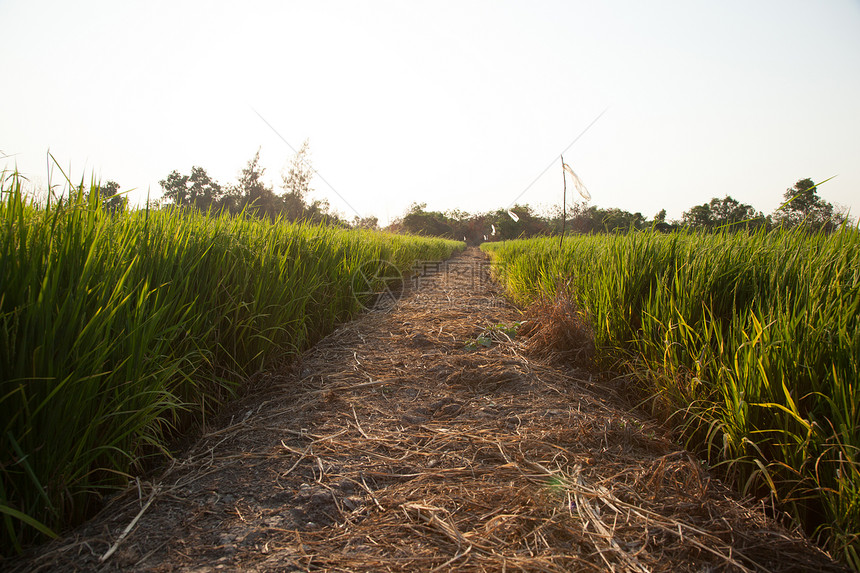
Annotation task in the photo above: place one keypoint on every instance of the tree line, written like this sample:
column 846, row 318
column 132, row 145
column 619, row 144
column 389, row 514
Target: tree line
column 802, row 206
column 251, row 193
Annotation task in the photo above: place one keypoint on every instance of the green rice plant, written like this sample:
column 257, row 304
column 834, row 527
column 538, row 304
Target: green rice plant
column 118, row 330
column 752, row 339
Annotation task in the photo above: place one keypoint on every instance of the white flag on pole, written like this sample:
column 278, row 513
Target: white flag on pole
column 580, row 186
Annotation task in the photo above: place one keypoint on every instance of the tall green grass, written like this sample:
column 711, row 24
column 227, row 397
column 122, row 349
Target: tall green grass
column 753, row 338
column 117, row 331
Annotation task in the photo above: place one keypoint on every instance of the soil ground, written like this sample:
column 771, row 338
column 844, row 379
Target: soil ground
column 424, row 437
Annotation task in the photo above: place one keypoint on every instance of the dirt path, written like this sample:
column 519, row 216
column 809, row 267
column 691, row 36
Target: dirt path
column 405, row 441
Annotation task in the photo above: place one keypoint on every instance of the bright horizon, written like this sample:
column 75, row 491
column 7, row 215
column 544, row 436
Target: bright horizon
column 460, row 105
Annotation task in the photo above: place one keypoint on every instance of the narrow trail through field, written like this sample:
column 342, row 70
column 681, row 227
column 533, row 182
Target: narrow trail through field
column 407, row 441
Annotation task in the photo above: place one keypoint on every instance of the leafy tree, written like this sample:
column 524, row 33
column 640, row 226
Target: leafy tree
column 527, row 223
column 722, row 213
column 197, row 190
column 803, row 206
column 111, row 199
column 699, row 217
column 460, row 225
column 256, row 196
column 175, row 188
column 232, row 200
column 730, row 212
column 472, row 229
column 659, row 223
column 465, row 226
column 320, row 211
column 365, row 222
column 620, row 220
column 296, row 183
column 205, row 192
column 593, row 219
column 421, row 222
column 579, row 218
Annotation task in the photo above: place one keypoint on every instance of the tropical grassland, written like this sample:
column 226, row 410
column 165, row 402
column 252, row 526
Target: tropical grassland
column 119, row 329
column 749, row 341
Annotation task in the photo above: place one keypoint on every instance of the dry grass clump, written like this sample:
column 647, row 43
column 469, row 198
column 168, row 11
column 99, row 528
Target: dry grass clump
column 557, row 329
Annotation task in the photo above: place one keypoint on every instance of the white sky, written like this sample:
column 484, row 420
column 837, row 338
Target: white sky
column 457, row 104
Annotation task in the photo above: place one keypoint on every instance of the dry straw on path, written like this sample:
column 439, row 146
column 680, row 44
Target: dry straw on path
column 432, row 438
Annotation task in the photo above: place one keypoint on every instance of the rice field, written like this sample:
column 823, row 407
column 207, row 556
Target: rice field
column 118, row 331
column 748, row 342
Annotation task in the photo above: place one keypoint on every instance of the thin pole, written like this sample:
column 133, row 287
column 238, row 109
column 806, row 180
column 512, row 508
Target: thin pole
column 563, row 204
